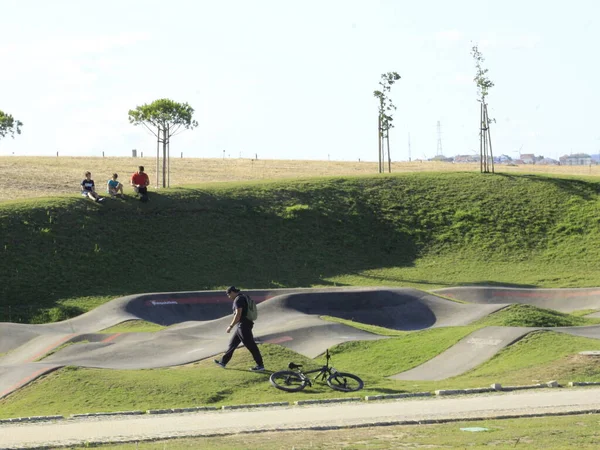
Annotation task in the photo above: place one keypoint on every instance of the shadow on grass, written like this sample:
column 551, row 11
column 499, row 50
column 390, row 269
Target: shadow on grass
column 256, row 236
column 573, row 186
column 405, row 280
column 191, row 240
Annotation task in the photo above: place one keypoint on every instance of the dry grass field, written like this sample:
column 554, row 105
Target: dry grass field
column 26, row 177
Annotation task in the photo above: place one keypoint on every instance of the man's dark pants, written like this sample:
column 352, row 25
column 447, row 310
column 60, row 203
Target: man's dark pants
column 243, row 334
column 142, row 191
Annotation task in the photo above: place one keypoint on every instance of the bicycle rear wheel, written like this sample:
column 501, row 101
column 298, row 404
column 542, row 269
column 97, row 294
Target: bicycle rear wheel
column 345, row 382
column 289, row 381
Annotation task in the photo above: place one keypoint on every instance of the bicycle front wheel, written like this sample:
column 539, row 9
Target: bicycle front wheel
column 289, row 381
column 345, row 382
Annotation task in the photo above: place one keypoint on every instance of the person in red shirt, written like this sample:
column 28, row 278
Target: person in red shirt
column 140, row 182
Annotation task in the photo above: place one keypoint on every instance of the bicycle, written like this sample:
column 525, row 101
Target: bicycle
column 294, row 379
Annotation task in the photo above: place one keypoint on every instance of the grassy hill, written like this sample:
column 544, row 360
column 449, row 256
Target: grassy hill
column 63, row 256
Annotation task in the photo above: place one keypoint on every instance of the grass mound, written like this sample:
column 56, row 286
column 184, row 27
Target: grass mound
column 422, row 230
column 532, row 316
column 134, row 326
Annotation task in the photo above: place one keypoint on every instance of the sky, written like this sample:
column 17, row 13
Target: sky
column 295, row 80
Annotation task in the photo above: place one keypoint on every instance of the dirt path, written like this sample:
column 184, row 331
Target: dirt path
column 132, row 428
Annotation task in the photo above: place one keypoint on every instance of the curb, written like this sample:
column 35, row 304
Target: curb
column 32, row 419
column 497, row 387
column 584, row 383
column 463, row 391
column 181, row 410
column 102, row 414
column 255, row 405
column 327, row 400
column 528, row 386
column 369, row 398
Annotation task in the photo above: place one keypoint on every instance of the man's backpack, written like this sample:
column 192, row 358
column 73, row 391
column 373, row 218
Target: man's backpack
column 252, row 313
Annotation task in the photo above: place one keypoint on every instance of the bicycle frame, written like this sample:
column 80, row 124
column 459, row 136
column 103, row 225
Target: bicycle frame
column 322, row 372
column 295, row 379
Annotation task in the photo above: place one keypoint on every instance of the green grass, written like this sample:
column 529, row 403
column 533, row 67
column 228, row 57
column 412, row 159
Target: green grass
column 59, row 348
column 390, row 356
column 64, row 256
column 382, row 331
column 559, row 433
column 540, row 356
column 425, row 230
column 584, row 312
column 532, row 316
column 134, row 326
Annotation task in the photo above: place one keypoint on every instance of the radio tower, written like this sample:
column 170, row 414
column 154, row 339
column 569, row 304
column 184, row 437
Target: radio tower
column 439, row 143
column 408, row 147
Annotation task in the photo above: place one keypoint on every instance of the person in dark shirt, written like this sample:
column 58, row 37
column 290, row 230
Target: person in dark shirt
column 88, row 188
column 243, row 330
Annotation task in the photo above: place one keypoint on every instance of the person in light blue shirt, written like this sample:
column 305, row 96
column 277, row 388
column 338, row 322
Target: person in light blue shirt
column 114, row 187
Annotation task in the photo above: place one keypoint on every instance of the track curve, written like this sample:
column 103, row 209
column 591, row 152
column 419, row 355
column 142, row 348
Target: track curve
column 288, row 317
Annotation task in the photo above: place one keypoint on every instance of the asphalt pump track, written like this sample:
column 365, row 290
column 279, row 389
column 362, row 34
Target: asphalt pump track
column 196, row 322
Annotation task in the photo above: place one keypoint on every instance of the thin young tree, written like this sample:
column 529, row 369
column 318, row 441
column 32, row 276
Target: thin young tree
column 484, row 84
column 385, row 119
column 9, row 125
column 164, row 118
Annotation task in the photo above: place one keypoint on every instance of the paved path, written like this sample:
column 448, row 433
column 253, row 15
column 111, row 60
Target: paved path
column 131, row 428
column 467, row 354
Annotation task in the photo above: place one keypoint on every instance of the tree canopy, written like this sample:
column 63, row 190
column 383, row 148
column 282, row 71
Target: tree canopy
column 386, row 107
column 164, row 118
column 484, row 84
column 164, row 114
column 9, row 125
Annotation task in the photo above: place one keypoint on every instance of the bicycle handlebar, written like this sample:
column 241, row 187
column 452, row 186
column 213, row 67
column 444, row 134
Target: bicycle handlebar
column 293, row 366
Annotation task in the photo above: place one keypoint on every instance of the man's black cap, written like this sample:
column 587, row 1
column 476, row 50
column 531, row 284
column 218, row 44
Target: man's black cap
column 231, row 289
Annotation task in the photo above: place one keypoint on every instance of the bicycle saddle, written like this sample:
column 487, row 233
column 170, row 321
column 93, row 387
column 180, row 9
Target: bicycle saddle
column 293, row 366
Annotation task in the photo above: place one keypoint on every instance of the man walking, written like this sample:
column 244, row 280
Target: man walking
column 243, row 330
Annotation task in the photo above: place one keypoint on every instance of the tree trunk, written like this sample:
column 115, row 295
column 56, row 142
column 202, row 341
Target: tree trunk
column 379, row 141
column 481, row 154
column 164, row 171
column 489, row 136
column 157, row 154
column 389, row 155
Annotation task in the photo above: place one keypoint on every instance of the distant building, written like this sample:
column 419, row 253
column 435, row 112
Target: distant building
column 441, row 158
column 548, row 162
column 528, row 158
column 577, row 159
column 466, row 158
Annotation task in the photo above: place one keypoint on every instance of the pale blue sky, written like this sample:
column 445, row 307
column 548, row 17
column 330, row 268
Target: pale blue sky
column 295, row 80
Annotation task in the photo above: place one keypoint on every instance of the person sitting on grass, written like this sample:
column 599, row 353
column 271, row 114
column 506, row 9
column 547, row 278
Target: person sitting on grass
column 88, row 188
column 114, row 187
column 140, row 182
